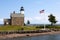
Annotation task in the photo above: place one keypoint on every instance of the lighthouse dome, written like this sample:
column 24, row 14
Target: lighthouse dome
column 22, row 9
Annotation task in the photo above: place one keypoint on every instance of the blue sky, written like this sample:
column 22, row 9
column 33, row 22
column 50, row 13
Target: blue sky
column 32, row 8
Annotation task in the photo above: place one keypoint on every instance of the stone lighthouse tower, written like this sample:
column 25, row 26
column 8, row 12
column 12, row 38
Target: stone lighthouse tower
column 18, row 18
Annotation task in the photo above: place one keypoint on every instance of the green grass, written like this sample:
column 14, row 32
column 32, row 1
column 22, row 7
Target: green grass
column 8, row 27
column 56, row 27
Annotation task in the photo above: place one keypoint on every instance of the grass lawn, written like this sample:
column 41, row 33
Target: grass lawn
column 8, row 27
column 56, row 27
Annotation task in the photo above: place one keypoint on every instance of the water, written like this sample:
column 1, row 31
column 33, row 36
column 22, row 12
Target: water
column 43, row 37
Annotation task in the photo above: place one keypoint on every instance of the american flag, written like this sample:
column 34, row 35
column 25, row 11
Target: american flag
column 42, row 11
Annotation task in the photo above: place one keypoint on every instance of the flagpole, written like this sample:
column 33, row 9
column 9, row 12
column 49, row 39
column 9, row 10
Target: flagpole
column 42, row 11
column 44, row 21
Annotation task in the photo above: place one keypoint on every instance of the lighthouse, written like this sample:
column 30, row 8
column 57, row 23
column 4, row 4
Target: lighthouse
column 22, row 10
column 15, row 18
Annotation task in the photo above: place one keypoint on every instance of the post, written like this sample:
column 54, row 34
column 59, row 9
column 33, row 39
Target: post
column 44, row 21
column 42, row 11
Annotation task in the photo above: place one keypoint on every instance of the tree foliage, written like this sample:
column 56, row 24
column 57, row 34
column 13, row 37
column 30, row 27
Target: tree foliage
column 52, row 19
column 24, row 24
column 28, row 22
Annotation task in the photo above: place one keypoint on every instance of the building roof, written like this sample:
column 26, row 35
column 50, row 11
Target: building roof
column 6, row 19
column 17, row 15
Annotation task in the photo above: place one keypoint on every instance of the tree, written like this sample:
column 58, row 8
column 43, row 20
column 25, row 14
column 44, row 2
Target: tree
column 52, row 19
column 28, row 22
column 24, row 24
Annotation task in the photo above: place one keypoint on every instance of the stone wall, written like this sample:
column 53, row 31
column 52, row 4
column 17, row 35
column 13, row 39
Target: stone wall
column 17, row 21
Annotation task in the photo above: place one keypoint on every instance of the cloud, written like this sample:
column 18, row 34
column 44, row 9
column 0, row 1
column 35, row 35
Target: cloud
column 58, row 19
column 28, row 18
column 37, row 19
column 1, row 19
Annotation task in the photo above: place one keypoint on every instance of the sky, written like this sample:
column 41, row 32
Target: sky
column 32, row 10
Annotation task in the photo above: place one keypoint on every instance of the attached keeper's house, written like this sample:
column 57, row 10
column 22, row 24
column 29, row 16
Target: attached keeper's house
column 15, row 18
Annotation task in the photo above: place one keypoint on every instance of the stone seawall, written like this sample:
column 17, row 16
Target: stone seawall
column 28, row 34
